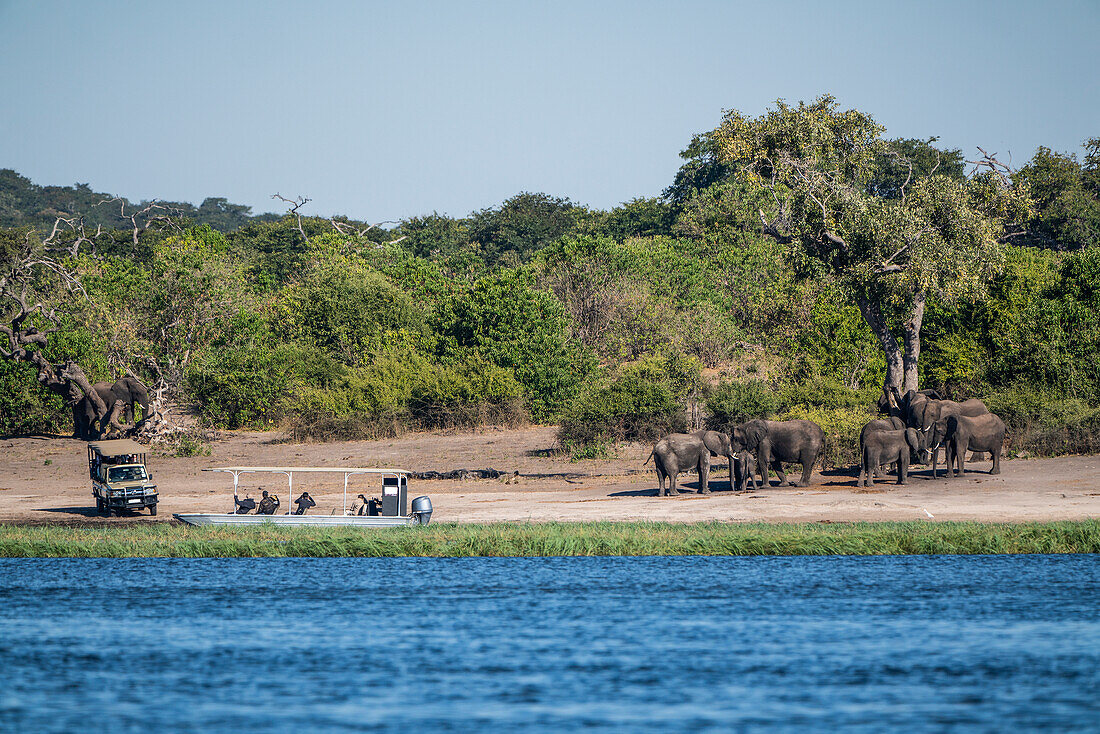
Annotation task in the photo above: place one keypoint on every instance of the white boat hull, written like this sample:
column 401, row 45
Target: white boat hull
column 359, row 521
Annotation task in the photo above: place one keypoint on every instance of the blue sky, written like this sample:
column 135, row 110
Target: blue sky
column 388, row 110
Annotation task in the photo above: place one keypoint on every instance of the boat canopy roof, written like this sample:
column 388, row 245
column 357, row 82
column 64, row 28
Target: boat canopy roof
column 296, row 469
column 118, row 447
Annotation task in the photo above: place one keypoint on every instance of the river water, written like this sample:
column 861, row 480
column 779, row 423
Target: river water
column 923, row 643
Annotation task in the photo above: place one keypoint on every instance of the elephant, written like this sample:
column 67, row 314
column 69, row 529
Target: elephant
column 921, row 411
column 958, row 433
column 877, row 447
column 879, row 424
column 128, row 391
column 746, row 471
column 776, row 442
column 679, row 452
column 719, row 445
column 889, row 403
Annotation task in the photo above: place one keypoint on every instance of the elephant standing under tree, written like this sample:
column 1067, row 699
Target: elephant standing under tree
column 883, row 447
column 879, row 424
column 779, row 442
column 741, row 473
column 958, row 433
column 680, row 452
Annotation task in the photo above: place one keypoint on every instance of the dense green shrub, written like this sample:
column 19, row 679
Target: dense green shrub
column 736, row 402
column 401, row 391
column 1043, row 423
column 243, row 385
column 639, row 402
column 522, row 329
column 25, row 408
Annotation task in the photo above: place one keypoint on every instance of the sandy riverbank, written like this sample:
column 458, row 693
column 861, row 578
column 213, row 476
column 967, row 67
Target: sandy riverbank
column 44, row 481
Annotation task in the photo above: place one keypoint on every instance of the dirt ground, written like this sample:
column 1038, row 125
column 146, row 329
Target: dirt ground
column 45, row 481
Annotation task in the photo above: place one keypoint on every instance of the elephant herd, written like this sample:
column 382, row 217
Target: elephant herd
column 916, row 425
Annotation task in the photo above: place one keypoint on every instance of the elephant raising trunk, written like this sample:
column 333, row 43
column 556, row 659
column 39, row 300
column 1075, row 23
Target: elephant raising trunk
column 117, row 414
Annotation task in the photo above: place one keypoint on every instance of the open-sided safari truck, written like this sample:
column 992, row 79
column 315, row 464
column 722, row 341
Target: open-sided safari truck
column 120, row 480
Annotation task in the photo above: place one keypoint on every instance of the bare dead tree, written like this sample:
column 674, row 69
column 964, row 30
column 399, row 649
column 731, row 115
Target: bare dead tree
column 154, row 214
column 989, row 162
column 294, row 207
column 348, row 230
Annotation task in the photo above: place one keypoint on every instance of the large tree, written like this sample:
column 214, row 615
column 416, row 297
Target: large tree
column 831, row 189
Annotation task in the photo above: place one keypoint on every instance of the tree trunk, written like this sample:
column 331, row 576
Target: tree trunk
column 912, row 343
column 872, row 314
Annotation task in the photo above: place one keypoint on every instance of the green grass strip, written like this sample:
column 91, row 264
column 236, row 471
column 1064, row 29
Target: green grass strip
column 163, row 540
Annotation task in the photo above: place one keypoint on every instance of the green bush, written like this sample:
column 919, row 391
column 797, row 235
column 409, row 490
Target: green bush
column 25, row 407
column 642, row 401
column 1043, row 423
column 402, row 391
column 736, row 402
column 521, row 329
column 243, row 385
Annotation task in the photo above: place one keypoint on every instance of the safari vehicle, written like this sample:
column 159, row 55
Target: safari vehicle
column 120, row 480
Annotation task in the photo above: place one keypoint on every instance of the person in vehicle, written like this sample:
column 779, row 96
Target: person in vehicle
column 243, row 507
column 304, row 503
column 358, row 506
column 268, row 504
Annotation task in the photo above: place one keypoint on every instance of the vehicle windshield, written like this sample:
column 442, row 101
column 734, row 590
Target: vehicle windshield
column 126, row 473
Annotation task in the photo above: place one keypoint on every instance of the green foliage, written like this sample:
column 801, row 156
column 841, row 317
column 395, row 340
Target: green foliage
column 400, row 391
column 23, row 203
column 522, row 226
column 244, row 384
column 904, row 160
column 25, row 408
column 638, row 402
column 732, row 403
column 434, row 236
column 349, row 310
column 1067, row 198
column 522, row 329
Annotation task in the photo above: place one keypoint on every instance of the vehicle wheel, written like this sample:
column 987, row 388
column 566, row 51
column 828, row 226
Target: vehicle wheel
column 100, row 506
column 153, row 510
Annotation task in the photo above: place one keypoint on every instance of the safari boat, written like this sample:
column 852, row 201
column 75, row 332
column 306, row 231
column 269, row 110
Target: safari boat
column 385, row 512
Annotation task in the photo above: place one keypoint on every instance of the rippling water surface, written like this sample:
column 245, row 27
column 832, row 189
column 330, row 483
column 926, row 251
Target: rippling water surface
column 490, row 644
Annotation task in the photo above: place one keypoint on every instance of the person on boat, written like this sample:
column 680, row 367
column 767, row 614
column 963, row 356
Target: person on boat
column 268, row 504
column 243, row 507
column 304, row 503
column 358, row 506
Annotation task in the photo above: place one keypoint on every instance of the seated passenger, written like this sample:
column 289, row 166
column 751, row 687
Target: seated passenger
column 268, row 504
column 304, row 503
column 358, row 506
column 243, row 507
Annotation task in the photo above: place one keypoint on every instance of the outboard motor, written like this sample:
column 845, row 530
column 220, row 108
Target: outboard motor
column 421, row 510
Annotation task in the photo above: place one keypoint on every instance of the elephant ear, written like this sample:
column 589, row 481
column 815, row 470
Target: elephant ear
column 755, row 431
column 912, row 439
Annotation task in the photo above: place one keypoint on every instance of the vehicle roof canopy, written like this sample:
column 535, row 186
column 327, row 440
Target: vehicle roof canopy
column 117, row 447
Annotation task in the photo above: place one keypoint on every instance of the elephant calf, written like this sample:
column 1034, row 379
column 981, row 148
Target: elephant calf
column 680, row 452
column 958, row 433
column 879, row 447
column 741, row 463
column 776, row 442
column 879, row 424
